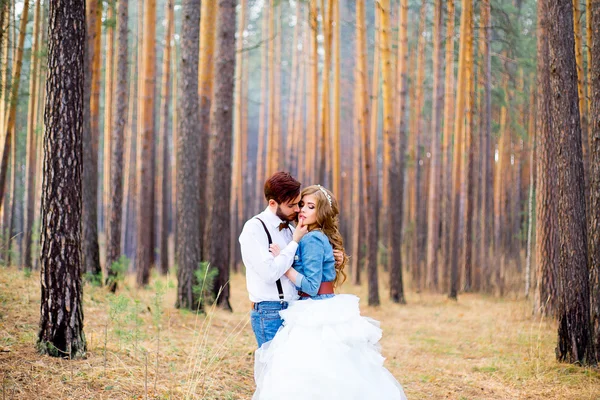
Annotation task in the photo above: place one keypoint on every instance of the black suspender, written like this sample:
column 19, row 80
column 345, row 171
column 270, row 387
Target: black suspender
column 278, row 282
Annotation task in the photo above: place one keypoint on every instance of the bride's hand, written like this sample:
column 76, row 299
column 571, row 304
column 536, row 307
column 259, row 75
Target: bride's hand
column 300, row 231
column 274, row 249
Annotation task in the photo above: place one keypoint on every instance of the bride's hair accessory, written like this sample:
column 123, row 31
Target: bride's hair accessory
column 326, row 194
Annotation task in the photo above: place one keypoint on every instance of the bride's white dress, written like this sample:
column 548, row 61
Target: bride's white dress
column 325, row 350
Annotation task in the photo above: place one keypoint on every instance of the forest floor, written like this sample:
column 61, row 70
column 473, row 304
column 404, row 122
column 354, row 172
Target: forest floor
column 480, row 347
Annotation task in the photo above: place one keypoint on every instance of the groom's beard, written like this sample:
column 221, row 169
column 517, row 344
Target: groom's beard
column 292, row 217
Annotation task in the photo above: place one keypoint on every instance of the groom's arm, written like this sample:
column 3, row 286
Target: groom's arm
column 254, row 245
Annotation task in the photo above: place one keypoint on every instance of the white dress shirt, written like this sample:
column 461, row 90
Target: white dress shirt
column 262, row 269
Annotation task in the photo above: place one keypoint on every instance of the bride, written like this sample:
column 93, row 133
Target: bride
column 325, row 349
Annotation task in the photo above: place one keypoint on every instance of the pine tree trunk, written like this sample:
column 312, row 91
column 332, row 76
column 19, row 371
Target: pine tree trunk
column 261, row 159
column 31, row 152
column 237, row 199
column 113, row 227
column 369, row 171
column 145, row 201
column 163, row 178
column 486, row 224
column 393, row 188
column 61, row 322
column 220, row 165
column 446, row 147
column 310, row 166
column 337, row 60
column 458, row 139
column 295, row 90
column 581, row 88
column 546, row 296
column 575, row 342
column 205, row 90
column 188, row 150
column 14, row 94
column 468, row 168
column 108, row 121
column 436, row 172
column 594, row 214
column 89, row 221
column 4, row 24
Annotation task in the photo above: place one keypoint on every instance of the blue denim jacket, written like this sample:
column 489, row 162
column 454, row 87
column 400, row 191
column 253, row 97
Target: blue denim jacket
column 315, row 263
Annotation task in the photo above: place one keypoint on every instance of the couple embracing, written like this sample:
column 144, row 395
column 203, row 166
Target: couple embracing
column 313, row 344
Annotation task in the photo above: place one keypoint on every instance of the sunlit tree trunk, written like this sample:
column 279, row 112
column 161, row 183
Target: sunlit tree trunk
column 145, row 181
column 220, row 165
column 205, row 90
column 14, row 94
column 61, row 320
column 458, row 139
column 575, row 341
column 468, row 167
column 31, row 152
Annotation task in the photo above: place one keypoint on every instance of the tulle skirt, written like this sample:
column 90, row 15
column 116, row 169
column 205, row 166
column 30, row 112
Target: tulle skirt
column 325, row 350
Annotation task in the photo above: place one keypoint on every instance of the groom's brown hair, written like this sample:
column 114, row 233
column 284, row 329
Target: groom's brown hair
column 281, row 187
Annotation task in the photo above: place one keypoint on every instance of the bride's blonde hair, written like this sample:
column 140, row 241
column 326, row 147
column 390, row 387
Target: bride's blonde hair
column 327, row 221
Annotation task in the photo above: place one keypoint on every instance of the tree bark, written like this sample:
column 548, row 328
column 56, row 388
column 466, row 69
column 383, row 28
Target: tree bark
column 434, row 210
column 31, row 138
column 188, row 151
column 163, row 177
column 458, row 138
column 546, row 295
column 61, row 322
column 205, row 91
column 145, row 201
column 113, row 227
column 220, row 165
column 575, row 343
column 89, row 213
column 594, row 214
column 14, row 94
column 446, row 146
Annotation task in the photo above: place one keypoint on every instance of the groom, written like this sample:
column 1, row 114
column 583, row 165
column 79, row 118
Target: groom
column 268, row 242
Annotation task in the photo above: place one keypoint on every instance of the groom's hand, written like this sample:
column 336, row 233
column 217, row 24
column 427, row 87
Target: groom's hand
column 339, row 257
column 274, row 249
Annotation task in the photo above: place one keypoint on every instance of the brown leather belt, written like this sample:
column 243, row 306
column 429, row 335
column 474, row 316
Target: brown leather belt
column 325, row 288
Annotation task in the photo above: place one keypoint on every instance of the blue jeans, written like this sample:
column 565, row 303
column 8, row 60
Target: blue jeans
column 265, row 320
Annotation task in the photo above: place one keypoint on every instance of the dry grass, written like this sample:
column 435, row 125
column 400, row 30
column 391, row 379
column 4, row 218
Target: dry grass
column 478, row 348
